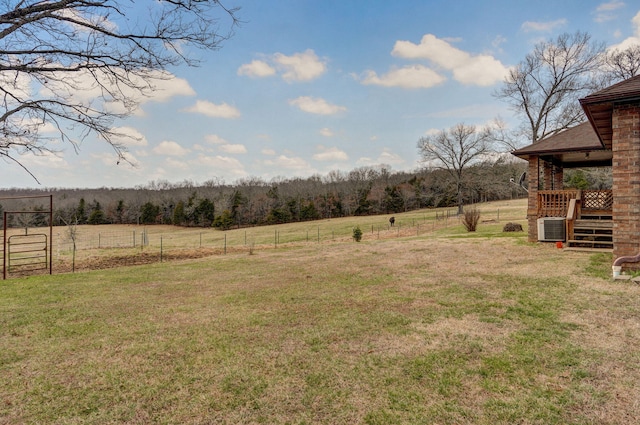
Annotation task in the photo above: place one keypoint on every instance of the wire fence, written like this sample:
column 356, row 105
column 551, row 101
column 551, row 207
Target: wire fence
column 112, row 245
column 156, row 237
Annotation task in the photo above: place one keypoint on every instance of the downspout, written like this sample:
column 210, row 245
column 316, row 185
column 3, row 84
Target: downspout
column 617, row 264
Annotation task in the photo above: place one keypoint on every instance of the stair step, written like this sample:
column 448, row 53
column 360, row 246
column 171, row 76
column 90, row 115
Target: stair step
column 590, row 234
column 597, row 216
column 583, row 243
column 581, row 249
column 596, row 224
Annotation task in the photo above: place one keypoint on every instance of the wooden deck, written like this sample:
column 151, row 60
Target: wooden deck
column 588, row 213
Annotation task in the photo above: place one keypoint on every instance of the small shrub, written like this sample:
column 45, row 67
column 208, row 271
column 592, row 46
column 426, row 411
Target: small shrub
column 470, row 219
column 512, row 227
column 357, row 234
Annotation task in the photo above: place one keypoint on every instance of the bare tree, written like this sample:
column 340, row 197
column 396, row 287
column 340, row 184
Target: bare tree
column 453, row 150
column 74, row 66
column 545, row 87
column 623, row 64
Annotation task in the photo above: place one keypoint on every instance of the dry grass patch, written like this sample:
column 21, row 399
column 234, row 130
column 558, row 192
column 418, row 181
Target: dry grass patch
column 422, row 329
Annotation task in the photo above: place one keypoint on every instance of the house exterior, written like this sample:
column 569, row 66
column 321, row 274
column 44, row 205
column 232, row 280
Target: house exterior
column 611, row 137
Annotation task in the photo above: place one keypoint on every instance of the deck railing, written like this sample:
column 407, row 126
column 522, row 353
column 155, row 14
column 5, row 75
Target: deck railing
column 597, row 200
column 555, row 203
column 573, row 203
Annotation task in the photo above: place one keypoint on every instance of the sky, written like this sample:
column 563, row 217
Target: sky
column 306, row 87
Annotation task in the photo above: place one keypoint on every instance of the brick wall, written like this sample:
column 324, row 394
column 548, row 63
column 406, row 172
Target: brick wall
column 558, row 178
column 532, row 206
column 626, row 179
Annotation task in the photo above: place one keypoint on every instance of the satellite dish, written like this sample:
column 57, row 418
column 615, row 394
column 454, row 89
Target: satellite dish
column 521, row 180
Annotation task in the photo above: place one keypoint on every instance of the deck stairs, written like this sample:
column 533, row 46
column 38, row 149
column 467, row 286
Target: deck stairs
column 592, row 233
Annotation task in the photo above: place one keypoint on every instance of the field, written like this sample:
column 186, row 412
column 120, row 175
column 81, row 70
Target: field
column 434, row 327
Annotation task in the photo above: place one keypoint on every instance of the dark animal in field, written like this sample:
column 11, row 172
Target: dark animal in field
column 392, row 221
column 512, row 227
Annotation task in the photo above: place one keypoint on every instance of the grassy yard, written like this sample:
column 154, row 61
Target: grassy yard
column 442, row 327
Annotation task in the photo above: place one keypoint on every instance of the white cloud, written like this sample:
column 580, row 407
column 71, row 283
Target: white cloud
column 305, row 66
column 410, row 77
column 174, row 164
column 289, row 163
column 432, row 132
column 224, row 145
column 498, row 41
column 233, row 149
column 603, row 12
column 83, row 20
column 482, row 70
column 530, row 26
column 46, row 160
column 163, row 86
column 330, row 154
column 389, row 157
column 210, row 109
column 170, row 148
column 326, row 132
column 111, row 160
column 220, row 163
column 634, row 39
column 268, row 152
column 129, row 136
column 316, row 106
column 18, row 84
column 166, row 87
column 214, row 139
column 386, row 157
column 256, row 69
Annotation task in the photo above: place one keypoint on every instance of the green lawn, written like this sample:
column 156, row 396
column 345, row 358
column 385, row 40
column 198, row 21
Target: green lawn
column 440, row 328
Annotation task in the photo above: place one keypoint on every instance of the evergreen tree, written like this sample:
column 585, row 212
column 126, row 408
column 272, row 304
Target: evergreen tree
column 97, row 215
column 179, row 216
column 309, row 212
column 120, row 212
column 81, row 212
column 149, row 213
column 224, row 221
column 393, row 201
column 205, row 213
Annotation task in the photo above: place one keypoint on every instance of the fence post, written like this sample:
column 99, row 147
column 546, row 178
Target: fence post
column 161, row 248
column 225, row 243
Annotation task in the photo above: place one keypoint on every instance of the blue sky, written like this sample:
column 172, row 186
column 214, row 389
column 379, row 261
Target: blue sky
column 307, row 86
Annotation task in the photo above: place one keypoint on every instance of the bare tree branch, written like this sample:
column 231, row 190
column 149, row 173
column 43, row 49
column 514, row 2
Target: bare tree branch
column 454, row 150
column 623, row 64
column 76, row 66
column 545, row 87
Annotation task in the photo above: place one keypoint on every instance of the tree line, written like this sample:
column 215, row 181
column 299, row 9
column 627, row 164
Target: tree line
column 253, row 201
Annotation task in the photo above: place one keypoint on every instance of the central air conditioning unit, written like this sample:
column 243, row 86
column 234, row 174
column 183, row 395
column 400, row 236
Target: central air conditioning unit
column 551, row 229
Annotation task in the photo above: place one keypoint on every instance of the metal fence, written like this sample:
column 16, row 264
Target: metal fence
column 109, row 246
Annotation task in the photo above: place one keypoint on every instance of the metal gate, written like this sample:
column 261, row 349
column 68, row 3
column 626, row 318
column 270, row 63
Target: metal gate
column 27, row 252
